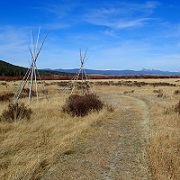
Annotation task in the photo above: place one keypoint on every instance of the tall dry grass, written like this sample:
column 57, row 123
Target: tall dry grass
column 164, row 141
column 29, row 148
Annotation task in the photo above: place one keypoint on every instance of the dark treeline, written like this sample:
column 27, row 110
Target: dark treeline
column 7, row 69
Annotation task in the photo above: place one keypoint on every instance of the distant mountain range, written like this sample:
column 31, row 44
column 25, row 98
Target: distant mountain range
column 7, row 69
column 122, row 72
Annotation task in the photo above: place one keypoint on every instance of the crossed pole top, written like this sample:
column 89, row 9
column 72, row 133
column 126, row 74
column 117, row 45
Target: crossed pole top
column 34, row 51
column 82, row 58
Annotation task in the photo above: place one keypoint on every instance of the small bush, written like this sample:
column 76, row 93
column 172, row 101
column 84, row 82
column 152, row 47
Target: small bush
column 4, row 83
column 16, row 112
column 6, row 97
column 127, row 92
column 176, row 92
column 81, row 105
column 158, row 91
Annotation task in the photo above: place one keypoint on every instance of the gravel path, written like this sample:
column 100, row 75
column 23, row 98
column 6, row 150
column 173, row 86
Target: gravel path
column 117, row 151
column 128, row 160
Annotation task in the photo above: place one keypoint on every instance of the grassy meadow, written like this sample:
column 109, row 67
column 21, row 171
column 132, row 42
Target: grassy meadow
column 29, row 148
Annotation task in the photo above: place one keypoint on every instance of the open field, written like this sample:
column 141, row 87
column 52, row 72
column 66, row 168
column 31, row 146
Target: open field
column 136, row 136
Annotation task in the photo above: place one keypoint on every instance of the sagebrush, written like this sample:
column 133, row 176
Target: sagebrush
column 6, row 97
column 77, row 105
column 16, row 112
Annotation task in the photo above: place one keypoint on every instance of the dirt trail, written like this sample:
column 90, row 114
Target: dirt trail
column 116, row 152
column 128, row 160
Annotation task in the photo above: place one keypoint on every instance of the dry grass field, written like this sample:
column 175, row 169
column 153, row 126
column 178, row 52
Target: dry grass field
column 135, row 136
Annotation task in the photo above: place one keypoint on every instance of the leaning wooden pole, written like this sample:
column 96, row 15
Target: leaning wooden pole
column 22, row 85
column 31, row 85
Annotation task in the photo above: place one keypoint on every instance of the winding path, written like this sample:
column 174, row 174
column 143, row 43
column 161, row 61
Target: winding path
column 118, row 152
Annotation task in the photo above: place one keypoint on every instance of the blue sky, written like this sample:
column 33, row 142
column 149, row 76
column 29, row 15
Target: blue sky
column 132, row 34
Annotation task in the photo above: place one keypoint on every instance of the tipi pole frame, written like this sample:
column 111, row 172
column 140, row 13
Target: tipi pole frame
column 31, row 72
column 83, row 76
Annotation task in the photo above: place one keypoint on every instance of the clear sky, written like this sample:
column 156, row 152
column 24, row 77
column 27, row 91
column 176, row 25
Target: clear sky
column 119, row 34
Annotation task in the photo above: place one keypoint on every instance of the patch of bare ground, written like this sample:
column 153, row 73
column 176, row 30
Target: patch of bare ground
column 112, row 148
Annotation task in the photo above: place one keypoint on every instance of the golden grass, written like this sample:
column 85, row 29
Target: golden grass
column 164, row 134
column 29, row 148
column 164, row 147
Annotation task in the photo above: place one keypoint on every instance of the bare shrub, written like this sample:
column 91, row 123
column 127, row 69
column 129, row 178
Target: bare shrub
column 162, row 84
column 16, row 112
column 6, row 97
column 77, row 105
column 4, row 83
column 157, row 91
column 127, row 92
column 176, row 92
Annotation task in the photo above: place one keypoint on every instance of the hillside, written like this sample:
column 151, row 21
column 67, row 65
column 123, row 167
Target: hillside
column 7, row 69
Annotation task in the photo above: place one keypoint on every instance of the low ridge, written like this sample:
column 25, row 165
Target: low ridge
column 7, row 69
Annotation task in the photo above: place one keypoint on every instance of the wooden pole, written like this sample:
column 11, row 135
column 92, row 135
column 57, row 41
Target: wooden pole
column 30, row 86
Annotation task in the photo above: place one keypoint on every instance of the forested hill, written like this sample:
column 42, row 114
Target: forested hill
column 7, row 69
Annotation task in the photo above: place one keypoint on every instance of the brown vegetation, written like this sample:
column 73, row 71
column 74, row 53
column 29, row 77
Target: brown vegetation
column 98, row 77
column 176, row 92
column 6, row 96
column 132, row 83
column 77, row 105
column 30, row 149
column 16, row 112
